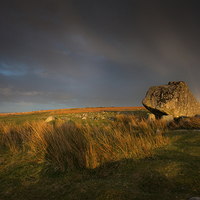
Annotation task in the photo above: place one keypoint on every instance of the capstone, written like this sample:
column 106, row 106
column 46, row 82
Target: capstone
column 173, row 99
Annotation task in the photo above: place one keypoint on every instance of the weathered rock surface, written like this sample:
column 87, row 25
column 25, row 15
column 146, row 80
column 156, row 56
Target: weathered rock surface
column 150, row 117
column 173, row 99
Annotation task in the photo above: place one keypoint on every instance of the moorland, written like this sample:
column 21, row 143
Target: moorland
column 98, row 153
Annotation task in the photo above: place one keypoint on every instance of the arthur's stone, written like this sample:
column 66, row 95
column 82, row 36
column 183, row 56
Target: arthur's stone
column 173, row 99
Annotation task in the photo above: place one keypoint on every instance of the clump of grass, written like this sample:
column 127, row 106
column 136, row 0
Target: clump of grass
column 61, row 146
column 189, row 123
column 69, row 146
column 139, row 125
column 12, row 137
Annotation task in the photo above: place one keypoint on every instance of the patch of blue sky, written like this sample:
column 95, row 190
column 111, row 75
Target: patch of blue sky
column 10, row 70
column 31, row 65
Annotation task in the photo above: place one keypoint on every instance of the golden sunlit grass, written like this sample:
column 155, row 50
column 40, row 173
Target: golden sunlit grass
column 122, row 156
column 189, row 123
column 70, row 146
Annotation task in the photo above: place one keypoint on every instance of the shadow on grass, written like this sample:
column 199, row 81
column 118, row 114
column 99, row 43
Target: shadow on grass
column 171, row 172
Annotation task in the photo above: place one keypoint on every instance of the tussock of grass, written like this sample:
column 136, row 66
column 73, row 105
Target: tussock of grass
column 12, row 137
column 120, row 160
column 69, row 146
column 189, row 123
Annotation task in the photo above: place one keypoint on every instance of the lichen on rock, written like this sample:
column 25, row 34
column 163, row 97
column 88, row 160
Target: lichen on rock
column 173, row 99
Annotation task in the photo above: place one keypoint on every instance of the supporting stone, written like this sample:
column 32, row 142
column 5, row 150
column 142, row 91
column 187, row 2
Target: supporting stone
column 167, row 118
column 150, row 117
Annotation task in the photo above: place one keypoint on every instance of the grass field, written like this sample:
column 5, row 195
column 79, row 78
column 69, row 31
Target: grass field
column 98, row 153
column 74, row 114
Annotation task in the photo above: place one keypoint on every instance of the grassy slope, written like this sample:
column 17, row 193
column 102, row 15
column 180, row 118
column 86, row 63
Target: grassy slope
column 171, row 172
column 20, row 118
column 74, row 115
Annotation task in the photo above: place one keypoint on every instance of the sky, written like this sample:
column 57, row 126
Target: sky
column 95, row 53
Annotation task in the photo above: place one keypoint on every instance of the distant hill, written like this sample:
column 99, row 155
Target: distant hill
column 77, row 110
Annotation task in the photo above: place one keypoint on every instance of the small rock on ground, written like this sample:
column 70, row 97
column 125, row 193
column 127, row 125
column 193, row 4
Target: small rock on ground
column 50, row 119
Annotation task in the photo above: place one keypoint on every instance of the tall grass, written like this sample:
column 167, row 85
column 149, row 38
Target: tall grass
column 68, row 146
column 188, row 123
column 13, row 137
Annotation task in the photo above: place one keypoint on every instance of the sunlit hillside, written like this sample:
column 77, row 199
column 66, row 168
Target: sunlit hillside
column 77, row 110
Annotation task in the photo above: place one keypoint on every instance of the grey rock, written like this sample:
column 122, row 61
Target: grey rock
column 150, row 117
column 173, row 99
column 50, row 119
column 112, row 118
column 194, row 198
column 167, row 118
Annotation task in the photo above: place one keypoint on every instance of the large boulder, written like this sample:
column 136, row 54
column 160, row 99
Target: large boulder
column 173, row 99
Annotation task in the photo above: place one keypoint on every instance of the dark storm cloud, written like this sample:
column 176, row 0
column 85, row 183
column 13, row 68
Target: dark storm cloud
column 95, row 53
